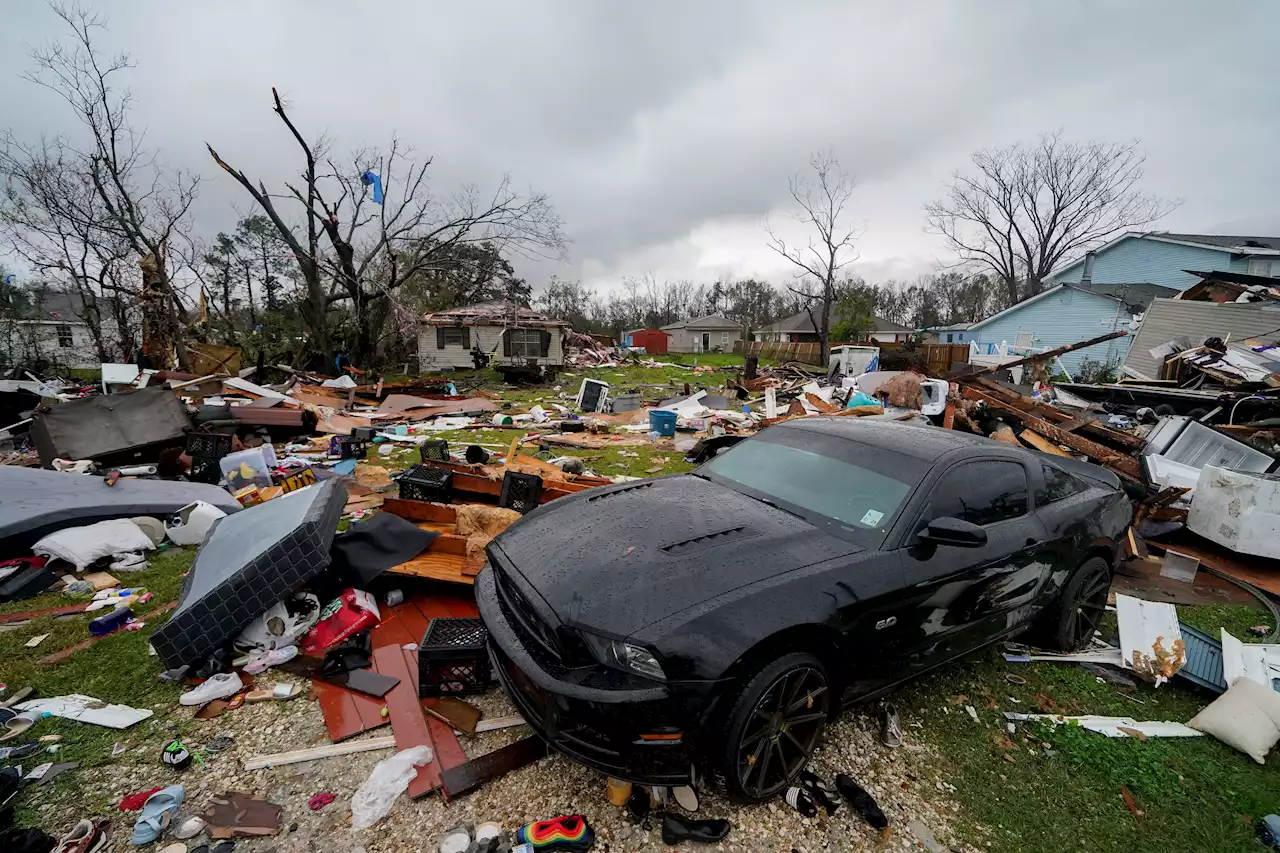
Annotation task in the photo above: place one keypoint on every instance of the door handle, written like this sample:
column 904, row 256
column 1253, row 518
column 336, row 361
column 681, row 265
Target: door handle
column 1032, row 543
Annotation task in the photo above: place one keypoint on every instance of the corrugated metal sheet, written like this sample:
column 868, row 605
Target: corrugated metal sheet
column 1168, row 319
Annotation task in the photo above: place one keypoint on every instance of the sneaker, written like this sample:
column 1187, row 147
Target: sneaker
column 891, row 733
column 81, row 838
column 821, row 790
column 219, row 686
column 260, row 661
column 801, row 800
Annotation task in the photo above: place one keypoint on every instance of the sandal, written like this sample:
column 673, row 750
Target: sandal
column 821, row 789
column 19, row 723
column 157, row 814
column 283, row 691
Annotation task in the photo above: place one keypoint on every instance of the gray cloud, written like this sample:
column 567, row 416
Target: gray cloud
column 665, row 132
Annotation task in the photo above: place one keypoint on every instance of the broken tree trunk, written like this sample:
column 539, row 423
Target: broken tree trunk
column 159, row 328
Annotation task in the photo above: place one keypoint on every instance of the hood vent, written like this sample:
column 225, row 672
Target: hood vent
column 622, row 491
column 706, row 541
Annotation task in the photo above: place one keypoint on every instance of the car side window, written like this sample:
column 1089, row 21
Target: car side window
column 980, row 492
column 1057, row 485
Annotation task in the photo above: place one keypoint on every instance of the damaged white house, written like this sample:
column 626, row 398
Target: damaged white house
column 493, row 333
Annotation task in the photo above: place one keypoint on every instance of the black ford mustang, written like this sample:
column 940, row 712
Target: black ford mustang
column 712, row 623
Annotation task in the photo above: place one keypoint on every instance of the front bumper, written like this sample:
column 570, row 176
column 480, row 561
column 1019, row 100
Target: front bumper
column 596, row 726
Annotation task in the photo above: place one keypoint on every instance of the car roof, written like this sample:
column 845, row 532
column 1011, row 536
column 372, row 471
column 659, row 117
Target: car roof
column 915, row 440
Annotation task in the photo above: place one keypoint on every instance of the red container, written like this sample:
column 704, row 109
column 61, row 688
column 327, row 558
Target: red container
column 352, row 612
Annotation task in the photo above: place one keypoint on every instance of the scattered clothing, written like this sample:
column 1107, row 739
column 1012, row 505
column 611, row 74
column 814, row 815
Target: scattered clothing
column 133, row 802
column 319, row 801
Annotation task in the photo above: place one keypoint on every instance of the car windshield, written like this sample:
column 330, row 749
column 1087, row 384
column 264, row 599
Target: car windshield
column 837, row 484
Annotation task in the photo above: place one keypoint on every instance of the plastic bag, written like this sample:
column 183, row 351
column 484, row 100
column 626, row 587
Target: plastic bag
column 389, row 779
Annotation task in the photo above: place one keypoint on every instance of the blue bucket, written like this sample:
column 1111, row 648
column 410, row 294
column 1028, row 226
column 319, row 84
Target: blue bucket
column 663, row 423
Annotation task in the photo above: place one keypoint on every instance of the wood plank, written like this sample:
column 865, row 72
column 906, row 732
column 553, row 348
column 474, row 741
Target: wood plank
column 332, row 750
column 64, row 610
column 1077, row 422
column 420, row 510
column 466, row 777
column 442, row 567
column 1258, row 571
column 1094, row 429
column 408, row 722
column 1042, row 444
column 1053, row 353
column 1125, row 466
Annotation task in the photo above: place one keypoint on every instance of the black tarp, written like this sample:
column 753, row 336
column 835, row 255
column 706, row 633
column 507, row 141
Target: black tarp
column 118, row 429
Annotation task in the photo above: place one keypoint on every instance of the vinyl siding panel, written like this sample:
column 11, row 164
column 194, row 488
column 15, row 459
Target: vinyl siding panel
column 1168, row 319
column 1140, row 261
column 1065, row 317
column 489, row 339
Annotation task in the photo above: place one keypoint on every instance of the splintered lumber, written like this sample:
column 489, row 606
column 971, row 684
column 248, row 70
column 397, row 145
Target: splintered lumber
column 1125, row 466
column 465, row 777
column 1053, row 353
column 1039, row 442
column 1085, row 424
column 297, row 756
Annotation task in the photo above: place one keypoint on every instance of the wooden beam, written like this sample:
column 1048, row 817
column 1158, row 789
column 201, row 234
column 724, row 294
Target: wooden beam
column 420, row 510
column 1053, row 353
column 1095, row 429
column 1042, row 444
column 1125, row 466
column 259, row 762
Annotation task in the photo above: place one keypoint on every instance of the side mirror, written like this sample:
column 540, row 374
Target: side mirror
column 954, row 531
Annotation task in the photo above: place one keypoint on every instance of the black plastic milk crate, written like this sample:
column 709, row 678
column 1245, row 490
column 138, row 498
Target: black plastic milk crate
column 520, row 491
column 435, row 450
column 426, row 483
column 350, row 447
column 452, row 658
column 208, row 445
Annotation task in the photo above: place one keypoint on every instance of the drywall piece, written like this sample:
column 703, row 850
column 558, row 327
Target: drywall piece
column 1240, row 660
column 1178, row 566
column 1150, row 640
column 1111, row 726
column 86, row 709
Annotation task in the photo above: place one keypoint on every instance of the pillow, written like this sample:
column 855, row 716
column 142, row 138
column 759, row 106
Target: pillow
column 1246, row 717
column 82, row 546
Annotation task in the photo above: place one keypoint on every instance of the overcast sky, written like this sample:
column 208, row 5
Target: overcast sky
column 664, row 132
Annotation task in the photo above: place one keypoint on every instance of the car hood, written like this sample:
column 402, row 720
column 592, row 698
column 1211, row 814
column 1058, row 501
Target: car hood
column 619, row 558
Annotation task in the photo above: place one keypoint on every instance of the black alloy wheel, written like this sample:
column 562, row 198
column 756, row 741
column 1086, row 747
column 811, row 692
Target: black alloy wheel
column 1084, row 601
column 776, row 725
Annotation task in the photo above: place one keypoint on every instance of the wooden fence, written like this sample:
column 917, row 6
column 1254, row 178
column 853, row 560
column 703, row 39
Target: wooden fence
column 939, row 357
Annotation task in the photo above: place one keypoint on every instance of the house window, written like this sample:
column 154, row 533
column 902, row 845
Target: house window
column 453, row 336
column 1270, row 269
column 65, row 338
column 524, row 343
column 949, row 337
column 724, row 337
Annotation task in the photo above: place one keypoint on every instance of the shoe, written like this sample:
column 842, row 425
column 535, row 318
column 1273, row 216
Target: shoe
column 85, row 837
column 686, row 797
column 456, row 840
column 218, row 686
column 891, row 733
column 157, row 814
column 801, row 800
column 260, row 661
column 570, row 833
column 676, row 829
column 862, row 802
column 821, row 790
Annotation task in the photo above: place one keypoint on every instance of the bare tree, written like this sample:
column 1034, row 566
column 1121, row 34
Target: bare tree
column 139, row 203
column 1025, row 209
column 822, row 199
column 376, row 247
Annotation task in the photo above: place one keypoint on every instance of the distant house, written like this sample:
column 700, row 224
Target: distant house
column 497, row 331
column 956, row 333
column 53, row 331
column 652, row 340
column 1062, row 315
column 704, row 334
column 1166, row 259
column 799, row 328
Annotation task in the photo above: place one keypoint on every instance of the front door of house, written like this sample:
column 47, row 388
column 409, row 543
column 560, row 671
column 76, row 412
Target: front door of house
column 706, row 342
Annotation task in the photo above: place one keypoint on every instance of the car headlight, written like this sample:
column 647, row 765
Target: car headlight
column 626, row 656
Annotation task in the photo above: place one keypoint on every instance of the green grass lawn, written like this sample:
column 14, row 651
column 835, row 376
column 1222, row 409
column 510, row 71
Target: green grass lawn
column 117, row 669
column 1197, row 794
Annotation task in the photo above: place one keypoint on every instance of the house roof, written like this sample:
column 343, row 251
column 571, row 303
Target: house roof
column 491, row 314
column 1134, row 297
column 803, row 324
column 712, row 321
column 54, row 306
column 1226, row 243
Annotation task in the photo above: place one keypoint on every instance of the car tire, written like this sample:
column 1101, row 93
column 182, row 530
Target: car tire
column 775, row 721
column 1080, row 607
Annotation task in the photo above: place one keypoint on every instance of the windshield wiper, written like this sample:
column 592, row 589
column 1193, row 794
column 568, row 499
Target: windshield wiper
column 768, row 502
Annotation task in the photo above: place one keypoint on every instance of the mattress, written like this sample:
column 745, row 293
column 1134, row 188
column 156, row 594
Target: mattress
column 248, row 562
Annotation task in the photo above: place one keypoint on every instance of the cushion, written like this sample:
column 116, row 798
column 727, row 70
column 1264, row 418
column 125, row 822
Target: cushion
column 1246, row 717
column 82, row 546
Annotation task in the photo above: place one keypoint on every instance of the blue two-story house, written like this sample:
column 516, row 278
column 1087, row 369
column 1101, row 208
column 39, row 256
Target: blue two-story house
column 1106, row 289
